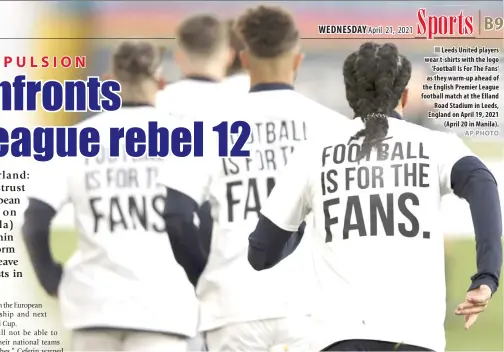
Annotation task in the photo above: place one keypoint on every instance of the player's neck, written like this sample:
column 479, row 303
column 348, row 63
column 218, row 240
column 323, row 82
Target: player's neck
column 237, row 73
column 260, row 78
column 138, row 96
column 212, row 73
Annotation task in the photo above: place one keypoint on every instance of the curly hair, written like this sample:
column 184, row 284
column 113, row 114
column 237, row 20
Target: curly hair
column 268, row 32
column 375, row 79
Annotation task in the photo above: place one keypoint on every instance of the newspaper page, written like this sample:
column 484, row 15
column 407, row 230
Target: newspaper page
column 66, row 178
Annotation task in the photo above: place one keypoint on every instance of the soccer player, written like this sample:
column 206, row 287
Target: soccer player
column 238, row 80
column 203, row 55
column 122, row 290
column 241, row 309
column 375, row 194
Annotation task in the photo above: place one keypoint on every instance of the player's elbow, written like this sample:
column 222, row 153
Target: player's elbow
column 259, row 245
column 256, row 259
column 267, row 244
column 37, row 223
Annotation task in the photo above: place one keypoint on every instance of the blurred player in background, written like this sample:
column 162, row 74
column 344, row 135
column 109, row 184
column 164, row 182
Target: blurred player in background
column 241, row 309
column 122, row 290
column 375, row 193
column 203, row 55
column 238, row 80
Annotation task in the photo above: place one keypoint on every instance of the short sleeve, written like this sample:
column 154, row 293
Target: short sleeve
column 191, row 176
column 290, row 200
column 49, row 182
column 452, row 149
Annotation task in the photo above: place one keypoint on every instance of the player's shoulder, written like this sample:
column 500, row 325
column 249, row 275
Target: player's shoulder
column 318, row 111
column 191, row 88
column 124, row 117
column 188, row 97
column 437, row 143
column 97, row 120
column 408, row 127
column 174, row 91
column 303, row 100
column 174, row 87
column 414, row 131
column 449, row 142
column 237, row 84
column 299, row 106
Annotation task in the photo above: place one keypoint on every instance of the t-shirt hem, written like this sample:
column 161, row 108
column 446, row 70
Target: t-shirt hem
column 220, row 322
column 166, row 329
column 280, row 224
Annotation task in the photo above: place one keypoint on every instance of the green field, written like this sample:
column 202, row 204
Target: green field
column 485, row 335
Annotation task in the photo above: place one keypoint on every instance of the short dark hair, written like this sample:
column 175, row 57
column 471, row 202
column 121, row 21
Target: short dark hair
column 202, row 34
column 375, row 79
column 268, row 31
column 236, row 43
column 135, row 60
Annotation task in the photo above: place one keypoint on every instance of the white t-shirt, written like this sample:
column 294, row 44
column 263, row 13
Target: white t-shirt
column 378, row 243
column 189, row 98
column 123, row 274
column 237, row 83
column 230, row 290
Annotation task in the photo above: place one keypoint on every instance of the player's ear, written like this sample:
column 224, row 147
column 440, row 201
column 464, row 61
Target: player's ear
column 244, row 58
column 298, row 59
column 404, row 98
column 107, row 77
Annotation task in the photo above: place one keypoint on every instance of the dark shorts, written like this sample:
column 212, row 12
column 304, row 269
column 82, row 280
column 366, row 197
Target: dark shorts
column 372, row 345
